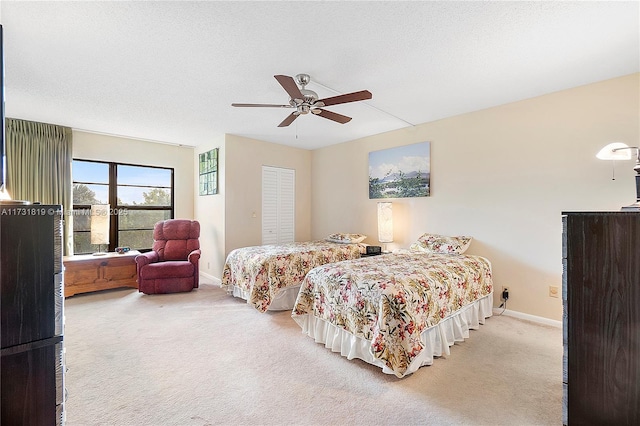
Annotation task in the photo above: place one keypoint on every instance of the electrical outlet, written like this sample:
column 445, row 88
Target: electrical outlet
column 553, row 291
column 505, row 293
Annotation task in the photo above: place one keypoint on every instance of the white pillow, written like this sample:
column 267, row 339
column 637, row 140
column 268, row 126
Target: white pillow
column 346, row 238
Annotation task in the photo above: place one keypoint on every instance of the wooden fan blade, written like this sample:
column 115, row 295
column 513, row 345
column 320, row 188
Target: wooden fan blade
column 289, row 84
column 262, row 105
column 349, row 97
column 288, row 120
column 333, row 116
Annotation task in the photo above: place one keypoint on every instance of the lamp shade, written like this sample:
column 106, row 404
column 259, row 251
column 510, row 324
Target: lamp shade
column 615, row 151
column 100, row 224
column 385, row 222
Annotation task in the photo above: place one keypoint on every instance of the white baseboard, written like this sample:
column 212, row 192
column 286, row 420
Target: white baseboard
column 528, row 317
column 211, row 278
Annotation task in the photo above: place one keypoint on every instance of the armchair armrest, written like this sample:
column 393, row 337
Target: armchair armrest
column 194, row 256
column 146, row 258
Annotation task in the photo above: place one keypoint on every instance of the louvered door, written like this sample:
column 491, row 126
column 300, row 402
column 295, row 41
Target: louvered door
column 278, row 205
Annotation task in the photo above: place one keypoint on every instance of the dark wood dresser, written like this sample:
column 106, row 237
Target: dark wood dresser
column 601, row 323
column 32, row 317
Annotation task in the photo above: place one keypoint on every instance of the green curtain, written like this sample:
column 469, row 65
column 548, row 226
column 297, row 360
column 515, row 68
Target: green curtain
column 39, row 157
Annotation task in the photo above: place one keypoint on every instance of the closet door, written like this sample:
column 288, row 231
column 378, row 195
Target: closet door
column 278, row 205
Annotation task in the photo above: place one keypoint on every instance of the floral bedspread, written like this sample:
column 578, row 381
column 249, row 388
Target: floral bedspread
column 390, row 299
column 262, row 271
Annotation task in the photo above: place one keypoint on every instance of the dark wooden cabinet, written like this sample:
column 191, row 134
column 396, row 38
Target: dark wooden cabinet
column 601, row 324
column 31, row 315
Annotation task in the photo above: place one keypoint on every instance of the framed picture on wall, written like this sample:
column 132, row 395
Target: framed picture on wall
column 400, row 172
column 208, row 171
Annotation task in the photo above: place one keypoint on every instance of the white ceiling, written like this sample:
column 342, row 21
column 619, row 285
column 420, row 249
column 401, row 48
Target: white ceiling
column 169, row 71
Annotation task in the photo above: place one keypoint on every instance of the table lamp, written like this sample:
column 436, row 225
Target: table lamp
column 100, row 226
column 385, row 223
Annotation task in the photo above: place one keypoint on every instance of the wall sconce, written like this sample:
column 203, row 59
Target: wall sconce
column 621, row 151
column 100, row 226
column 385, row 223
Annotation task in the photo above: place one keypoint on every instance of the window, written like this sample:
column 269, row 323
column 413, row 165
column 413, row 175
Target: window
column 139, row 197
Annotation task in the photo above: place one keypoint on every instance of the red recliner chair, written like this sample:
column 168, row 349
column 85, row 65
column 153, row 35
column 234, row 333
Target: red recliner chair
column 172, row 265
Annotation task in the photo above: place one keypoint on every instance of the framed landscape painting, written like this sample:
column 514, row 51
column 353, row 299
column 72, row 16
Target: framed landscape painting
column 400, row 172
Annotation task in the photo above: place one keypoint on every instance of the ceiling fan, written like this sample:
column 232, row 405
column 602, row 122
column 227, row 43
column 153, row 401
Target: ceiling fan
column 306, row 101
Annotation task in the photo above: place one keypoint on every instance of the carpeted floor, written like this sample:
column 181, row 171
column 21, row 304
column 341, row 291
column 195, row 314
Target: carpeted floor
column 205, row 358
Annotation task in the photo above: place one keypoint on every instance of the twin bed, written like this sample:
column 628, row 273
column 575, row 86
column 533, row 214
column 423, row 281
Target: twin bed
column 268, row 277
column 396, row 311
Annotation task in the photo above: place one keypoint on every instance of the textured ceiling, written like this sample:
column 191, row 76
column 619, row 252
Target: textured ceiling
column 169, row 71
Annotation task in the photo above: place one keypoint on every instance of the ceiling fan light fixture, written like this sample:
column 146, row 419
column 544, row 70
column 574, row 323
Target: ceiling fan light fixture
column 309, row 96
column 303, row 79
column 306, row 101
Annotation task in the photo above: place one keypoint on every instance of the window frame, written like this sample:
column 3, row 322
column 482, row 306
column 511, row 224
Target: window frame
column 113, row 199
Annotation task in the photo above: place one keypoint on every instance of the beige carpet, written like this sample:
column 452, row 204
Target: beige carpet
column 205, row 358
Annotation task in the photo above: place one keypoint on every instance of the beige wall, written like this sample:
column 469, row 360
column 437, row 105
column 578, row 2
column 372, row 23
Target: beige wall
column 245, row 158
column 94, row 146
column 210, row 212
column 233, row 218
column 502, row 175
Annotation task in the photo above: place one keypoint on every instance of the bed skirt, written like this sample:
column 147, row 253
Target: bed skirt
column 284, row 300
column 436, row 340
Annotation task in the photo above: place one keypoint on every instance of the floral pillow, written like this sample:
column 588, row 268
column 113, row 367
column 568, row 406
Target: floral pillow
column 432, row 243
column 346, row 238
